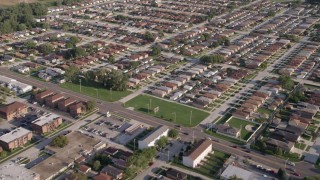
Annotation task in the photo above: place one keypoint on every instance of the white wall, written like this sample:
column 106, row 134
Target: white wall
column 143, row 144
column 187, row 161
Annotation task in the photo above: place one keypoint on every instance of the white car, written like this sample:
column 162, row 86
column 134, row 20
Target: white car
column 291, row 163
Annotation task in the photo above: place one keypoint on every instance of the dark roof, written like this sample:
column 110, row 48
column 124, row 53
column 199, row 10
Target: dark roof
column 175, row 174
column 112, row 171
column 287, row 146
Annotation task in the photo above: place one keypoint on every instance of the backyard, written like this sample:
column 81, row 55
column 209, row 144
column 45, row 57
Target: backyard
column 168, row 111
column 238, row 123
column 95, row 90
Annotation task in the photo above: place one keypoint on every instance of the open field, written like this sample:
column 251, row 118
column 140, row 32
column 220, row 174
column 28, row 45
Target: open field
column 168, row 111
column 95, row 90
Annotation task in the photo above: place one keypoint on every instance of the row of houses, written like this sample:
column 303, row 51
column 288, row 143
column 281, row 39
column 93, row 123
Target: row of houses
column 294, row 62
column 56, row 100
column 251, row 105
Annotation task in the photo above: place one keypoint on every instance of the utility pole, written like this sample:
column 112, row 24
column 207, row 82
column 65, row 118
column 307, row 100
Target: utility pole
column 110, row 93
column 190, row 117
column 150, row 100
column 148, row 107
column 175, row 116
column 134, row 144
column 80, row 84
column 168, row 156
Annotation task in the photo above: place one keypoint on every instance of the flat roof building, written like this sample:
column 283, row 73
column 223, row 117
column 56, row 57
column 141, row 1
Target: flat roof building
column 16, row 138
column 46, row 123
column 150, row 139
column 62, row 158
column 198, row 153
column 13, row 171
column 231, row 171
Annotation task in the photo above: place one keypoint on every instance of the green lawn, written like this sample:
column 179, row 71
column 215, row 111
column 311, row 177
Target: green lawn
column 238, row 123
column 264, row 111
column 211, row 167
column 168, row 111
column 300, row 146
column 95, row 90
column 312, row 128
column 223, row 137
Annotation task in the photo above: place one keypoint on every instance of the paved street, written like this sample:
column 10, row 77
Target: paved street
column 305, row 168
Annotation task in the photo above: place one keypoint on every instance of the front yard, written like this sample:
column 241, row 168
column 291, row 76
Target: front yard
column 238, row 123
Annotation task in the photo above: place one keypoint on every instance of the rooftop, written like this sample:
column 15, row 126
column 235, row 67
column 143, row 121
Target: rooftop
column 12, row 171
column 154, row 134
column 45, row 119
column 17, row 133
column 199, row 148
column 12, row 107
column 239, row 172
column 78, row 144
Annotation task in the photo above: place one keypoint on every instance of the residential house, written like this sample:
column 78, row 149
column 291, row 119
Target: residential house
column 175, row 174
column 112, row 171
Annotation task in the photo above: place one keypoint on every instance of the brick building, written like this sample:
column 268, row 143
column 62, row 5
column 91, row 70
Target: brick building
column 46, row 123
column 15, row 109
column 16, row 138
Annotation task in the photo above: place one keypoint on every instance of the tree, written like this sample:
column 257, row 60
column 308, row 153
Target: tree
column 74, row 40
column 163, row 141
column 96, row 165
column 111, row 59
column 79, row 52
column 286, row 82
column 271, row 13
column 115, row 80
column 30, row 44
column 134, row 64
column 282, row 174
column 211, row 59
column 149, row 36
column 278, row 151
column 71, row 73
column 103, row 159
column 156, row 50
column 46, row 48
column 91, row 105
column 60, row 141
column 264, row 65
column 173, row 133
